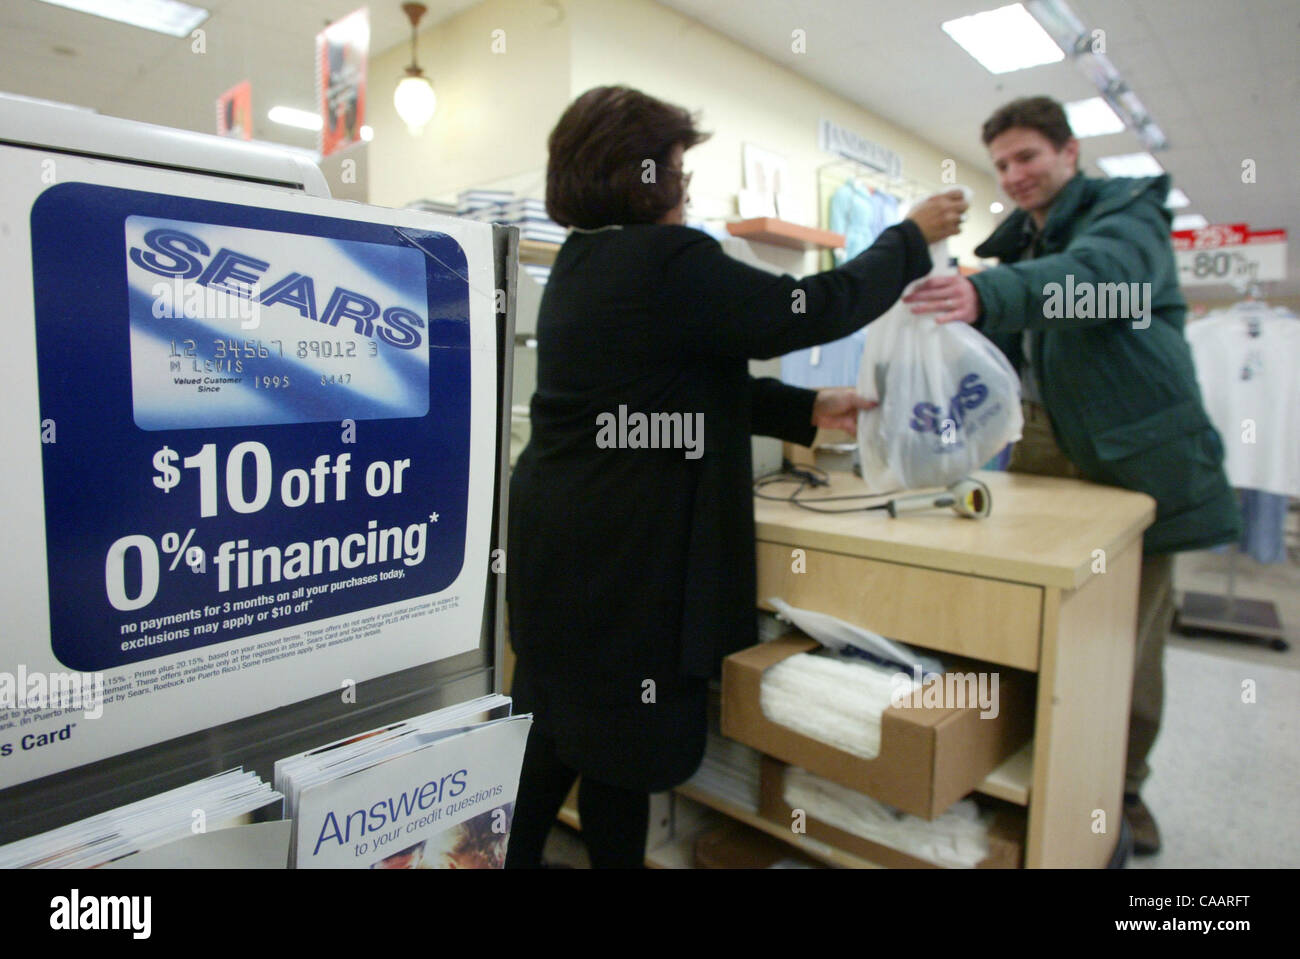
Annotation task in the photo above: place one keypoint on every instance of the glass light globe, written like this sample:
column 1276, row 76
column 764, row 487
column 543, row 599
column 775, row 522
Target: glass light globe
column 415, row 101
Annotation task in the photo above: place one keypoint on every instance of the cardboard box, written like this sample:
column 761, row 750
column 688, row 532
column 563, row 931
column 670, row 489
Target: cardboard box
column 1006, row 834
column 737, row 846
column 929, row 758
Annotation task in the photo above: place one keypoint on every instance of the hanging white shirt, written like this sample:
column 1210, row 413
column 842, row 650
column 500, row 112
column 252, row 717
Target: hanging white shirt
column 1251, row 388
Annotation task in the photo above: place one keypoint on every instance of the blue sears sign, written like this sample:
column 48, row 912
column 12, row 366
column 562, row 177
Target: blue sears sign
column 263, row 418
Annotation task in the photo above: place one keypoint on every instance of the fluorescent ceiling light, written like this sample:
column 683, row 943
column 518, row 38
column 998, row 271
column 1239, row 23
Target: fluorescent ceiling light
column 165, row 16
column 1061, row 23
column 1004, row 39
column 293, row 117
column 1131, row 164
column 1177, row 199
column 1190, row 221
column 1093, row 118
column 996, row 207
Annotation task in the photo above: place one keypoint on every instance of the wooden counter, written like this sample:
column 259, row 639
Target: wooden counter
column 1047, row 583
column 1041, row 530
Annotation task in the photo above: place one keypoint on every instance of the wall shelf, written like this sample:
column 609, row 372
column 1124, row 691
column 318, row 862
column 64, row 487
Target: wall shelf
column 767, row 229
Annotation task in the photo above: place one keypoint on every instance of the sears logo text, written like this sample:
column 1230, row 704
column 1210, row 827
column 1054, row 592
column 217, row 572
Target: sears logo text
column 929, row 418
column 178, row 255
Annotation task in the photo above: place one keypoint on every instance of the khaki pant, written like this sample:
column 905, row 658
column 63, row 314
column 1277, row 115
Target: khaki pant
column 1037, row 452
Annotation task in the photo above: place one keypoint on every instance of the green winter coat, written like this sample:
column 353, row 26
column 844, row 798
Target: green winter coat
column 1117, row 380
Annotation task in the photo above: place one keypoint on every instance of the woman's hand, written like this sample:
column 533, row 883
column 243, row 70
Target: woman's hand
column 836, row 408
column 952, row 298
column 939, row 216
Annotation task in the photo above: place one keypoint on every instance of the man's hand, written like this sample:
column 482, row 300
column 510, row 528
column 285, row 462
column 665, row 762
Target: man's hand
column 952, row 298
column 836, row 408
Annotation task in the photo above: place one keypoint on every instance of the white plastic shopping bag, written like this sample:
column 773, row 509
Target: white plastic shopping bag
column 949, row 400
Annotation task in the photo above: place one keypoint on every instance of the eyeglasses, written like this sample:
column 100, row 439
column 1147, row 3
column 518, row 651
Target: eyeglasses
column 685, row 175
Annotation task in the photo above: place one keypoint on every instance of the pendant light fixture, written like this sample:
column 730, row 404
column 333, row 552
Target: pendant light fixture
column 414, row 98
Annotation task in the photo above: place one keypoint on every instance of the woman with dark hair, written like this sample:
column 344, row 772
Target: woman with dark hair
column 631, row 545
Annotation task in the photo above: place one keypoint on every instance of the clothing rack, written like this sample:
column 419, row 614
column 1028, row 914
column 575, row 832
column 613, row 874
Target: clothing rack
column 1229, row 615
column 835, row 173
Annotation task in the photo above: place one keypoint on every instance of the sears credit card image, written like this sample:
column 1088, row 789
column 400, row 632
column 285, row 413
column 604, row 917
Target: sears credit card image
column 263, row 421
column 240, row 327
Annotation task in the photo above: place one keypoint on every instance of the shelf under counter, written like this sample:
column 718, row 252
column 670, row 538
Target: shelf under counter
column 810, row 847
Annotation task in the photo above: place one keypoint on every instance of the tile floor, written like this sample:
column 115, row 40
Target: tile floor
column 1225, row 774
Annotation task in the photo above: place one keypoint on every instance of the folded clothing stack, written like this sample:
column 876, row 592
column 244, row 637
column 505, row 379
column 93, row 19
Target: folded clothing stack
column 958, row 839
column 729, row 770
column 833, row 700
column 434, row 206
column 470, row 202
column 539, row 273
column 502, row 206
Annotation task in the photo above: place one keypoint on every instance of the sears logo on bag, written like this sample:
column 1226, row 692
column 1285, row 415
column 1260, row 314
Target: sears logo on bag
column 929, row 418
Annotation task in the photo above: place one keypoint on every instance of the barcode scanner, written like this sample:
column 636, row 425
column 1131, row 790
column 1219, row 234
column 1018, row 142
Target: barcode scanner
column 967, row 497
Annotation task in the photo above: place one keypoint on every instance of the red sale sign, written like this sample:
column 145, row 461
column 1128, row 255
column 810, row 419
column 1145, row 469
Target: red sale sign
column 1229, row 253
column 235, row 112
column 342, row 49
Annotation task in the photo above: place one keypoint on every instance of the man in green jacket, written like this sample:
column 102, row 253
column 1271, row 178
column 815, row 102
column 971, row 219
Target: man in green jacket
column 1086, row 305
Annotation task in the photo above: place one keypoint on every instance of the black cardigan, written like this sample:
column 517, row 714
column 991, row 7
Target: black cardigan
column 628, row 564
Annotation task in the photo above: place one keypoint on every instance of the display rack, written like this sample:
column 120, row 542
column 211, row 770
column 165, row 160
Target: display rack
column 1227, row 615
column 255, row 742
column 1230, row 616
column 834, row 174
column 258, row 741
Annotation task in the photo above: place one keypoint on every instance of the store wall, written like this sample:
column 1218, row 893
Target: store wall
column 743, row 97
column 347, row 172
column 494, row 111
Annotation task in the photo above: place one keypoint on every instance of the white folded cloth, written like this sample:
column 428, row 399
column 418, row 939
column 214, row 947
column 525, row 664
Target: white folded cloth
column 834, row 701
column 957, row 840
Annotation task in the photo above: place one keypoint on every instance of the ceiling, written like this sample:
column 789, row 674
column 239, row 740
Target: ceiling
column 1221, row 79
column 120, row 70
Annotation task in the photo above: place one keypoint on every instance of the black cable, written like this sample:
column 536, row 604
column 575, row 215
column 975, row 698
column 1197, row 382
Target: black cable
column 811, row 477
